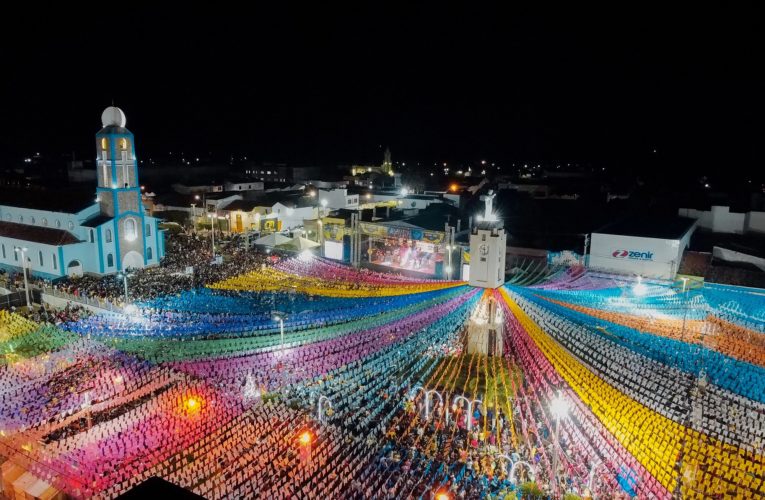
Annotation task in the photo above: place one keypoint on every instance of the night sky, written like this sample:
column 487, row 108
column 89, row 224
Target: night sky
column 598, row 87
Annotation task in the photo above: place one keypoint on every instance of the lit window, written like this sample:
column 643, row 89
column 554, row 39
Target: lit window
column 104, row 144
column 130, row 229
column 123, row 144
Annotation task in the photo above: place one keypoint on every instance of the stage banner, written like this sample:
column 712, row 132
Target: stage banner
column 406, row 233
column 334, row 229
column 373, row 230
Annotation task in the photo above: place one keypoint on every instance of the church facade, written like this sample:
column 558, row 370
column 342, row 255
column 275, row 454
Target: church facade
column 110, row 235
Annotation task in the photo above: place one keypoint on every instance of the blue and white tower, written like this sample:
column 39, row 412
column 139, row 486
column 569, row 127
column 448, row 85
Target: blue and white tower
column 119, row 192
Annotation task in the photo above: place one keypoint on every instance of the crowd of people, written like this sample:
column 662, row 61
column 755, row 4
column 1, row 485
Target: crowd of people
column 188, row 264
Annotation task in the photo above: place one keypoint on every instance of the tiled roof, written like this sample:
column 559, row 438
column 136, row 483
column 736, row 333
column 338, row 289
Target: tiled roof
column 37, row 234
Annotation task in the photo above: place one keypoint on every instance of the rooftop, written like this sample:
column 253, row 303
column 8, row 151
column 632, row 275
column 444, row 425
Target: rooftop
column 650, row 227
column 97, row 220
column 37, row 234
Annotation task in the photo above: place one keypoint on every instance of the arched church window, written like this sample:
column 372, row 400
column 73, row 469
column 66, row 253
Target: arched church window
column 148, row 253
column 104, row 144
column 45, row 222
column 148, row 229
column 110, row 260
column 70, row 225
column 21, row 218
column 123, row 144
column 32, row 220
column 130, row 229
column 58, row 224
column 108, row 235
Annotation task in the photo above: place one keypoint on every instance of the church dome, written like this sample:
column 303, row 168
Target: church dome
column 113, row 117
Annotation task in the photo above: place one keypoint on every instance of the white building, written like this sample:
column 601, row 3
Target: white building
column 649, row 247
column 243, row 186
column 109, row 234
column 488, row 248
column 292, row 215
column 721, row 220
column 337, row 199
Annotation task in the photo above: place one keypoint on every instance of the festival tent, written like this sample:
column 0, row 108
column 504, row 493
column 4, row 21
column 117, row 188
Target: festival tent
column 272, row 240
column 298, row 243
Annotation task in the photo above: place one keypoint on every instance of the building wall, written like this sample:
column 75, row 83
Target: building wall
column 755, row 222
column 51, row 260
column 721, row 220
column 41, row 218
column 338, row 198
column 292, row 218
column 487, row 268
column 649, row 257
column 244, row 186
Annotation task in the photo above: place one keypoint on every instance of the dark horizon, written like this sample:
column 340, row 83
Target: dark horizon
column 456, row 86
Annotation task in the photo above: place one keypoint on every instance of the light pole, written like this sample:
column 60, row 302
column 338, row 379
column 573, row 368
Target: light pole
column 685, row 306
column 123, row 277
column 23, row 251
column 321, row 238
column 559, row 409
column 212, row 230
column 449, row 267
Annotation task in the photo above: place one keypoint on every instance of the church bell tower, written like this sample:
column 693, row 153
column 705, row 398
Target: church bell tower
column 118, row 191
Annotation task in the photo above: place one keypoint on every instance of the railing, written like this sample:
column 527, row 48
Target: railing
column 92, row 302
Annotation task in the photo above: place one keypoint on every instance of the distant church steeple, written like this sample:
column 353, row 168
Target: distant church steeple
column 387, row 166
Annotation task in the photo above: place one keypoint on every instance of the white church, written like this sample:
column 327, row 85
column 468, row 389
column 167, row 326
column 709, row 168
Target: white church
column 111, row 234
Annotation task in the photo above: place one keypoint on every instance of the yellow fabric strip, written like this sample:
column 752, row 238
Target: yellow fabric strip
column 709, row 466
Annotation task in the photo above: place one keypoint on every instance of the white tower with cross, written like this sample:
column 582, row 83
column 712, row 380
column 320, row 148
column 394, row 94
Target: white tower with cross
column 488, row 243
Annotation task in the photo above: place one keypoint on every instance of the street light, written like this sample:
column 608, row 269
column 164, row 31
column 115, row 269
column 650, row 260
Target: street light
column 324, row 207
column 23, row 251
column 559, row 408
